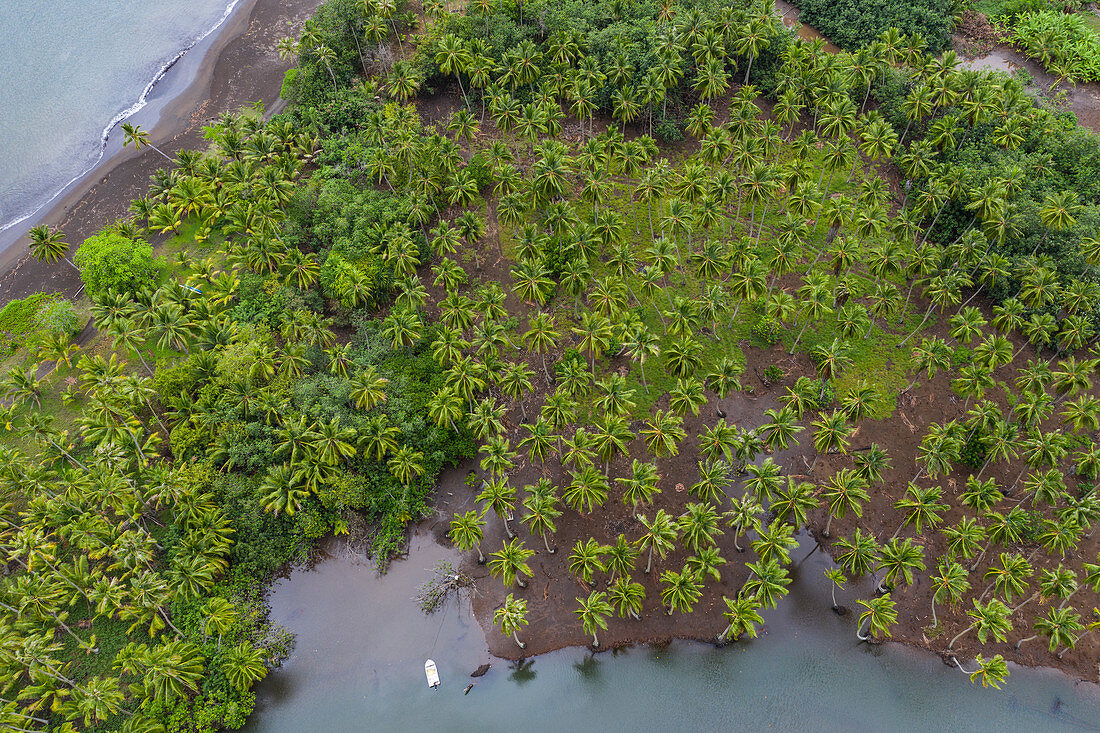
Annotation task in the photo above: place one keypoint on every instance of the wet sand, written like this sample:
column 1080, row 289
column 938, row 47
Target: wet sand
column 232, row 68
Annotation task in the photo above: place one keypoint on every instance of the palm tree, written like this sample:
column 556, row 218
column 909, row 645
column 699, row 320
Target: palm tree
column 775, row 542
column 48, row 245
column 542, row 510
column 500, row 496
column 587, row 489
column 845, row 491
column 880, row 615
column 621, row 557
column 837, row 579
column 680, row 591
column 627, row 596
column 899, row 558
column 660, row 535
column 541, row 338
column 989, row 618
column 467, row 531
column 586, row 559
column 510, row 617
column 858, row 554
column 663, row 433
column 593, row 613
column 640, row 486
column 767, row 583
column 831, row 434
column 743, row 615
column 133, row 134
column 510, row 563
column 923, row 505
column 698, row 526
column 949, row 585
column 743, row 515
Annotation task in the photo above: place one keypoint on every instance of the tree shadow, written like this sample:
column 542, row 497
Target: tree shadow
column 523, row 671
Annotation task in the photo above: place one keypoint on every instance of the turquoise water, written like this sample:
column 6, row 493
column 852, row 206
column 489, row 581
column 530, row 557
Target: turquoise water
column 70, row 70
column 361, row 644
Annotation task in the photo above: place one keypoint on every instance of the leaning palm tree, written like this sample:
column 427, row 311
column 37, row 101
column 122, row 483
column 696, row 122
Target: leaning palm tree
column 49, row 245
column 880, row 615
column 593, row 612
column 510, row 617
column 660, row 535
column 510, row 563
column 139, row 138
column 743, row 615
column 586, row 559
column 627, row 596
column 680, row 590
column 467, row 531
column 640, row 486
column 542, row 510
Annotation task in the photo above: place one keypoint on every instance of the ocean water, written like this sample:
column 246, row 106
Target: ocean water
column 70, row 71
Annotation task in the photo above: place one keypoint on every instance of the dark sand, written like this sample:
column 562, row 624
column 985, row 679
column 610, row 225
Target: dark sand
column 239, row 66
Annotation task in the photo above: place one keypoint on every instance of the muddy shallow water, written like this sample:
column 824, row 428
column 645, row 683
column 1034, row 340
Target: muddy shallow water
column 361, row 644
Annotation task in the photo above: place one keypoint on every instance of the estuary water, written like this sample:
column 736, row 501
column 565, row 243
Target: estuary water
column 361, row 645
column 70, row 71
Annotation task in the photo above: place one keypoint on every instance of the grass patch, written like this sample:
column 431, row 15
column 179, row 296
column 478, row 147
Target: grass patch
column 18, row 320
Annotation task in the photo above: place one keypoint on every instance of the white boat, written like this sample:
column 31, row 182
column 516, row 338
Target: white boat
column 431, row 673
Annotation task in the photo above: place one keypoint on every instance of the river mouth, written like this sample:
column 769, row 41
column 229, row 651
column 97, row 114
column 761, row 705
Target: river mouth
column 361, row 642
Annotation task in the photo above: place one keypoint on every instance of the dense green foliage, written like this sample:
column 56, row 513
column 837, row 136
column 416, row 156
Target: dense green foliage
column 1061, row 42
column 853, row 24
column 111, row 261
column 324, row 348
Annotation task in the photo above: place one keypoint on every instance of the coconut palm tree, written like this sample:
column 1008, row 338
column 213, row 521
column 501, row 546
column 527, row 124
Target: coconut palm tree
column 767, row 582
column 660, row 536
column 775, row 542
column 992, row 618
column 586, row 559
column 858, row 554
column 743, row 615
column 48, row 245
column 845, row 491
column 587, row 489
column 923, row 507
column 837, row 579
column 510, row 617
column 510, row 563
column 541, row 512
column 744, row 514
column 139, row 138
column 627, row 596
column 880, row 615
column 499, row 495
column 900, row 559
column 680, row 590
column 593, row 612
column 467, row 531
column 640, row 486
column 949, row 585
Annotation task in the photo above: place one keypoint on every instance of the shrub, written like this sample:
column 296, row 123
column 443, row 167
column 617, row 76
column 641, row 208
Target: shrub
column 767, row 331
column 58, row 317
column 773, row 374
column 110, row 261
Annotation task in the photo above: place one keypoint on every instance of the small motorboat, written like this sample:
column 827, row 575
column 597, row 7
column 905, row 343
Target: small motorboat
column 431, row 673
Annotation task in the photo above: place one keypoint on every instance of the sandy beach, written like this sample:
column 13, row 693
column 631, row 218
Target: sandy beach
column 234, row 67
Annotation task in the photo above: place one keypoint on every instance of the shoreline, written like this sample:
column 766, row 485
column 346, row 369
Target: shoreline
column 501, row 648
column 234, row 65
column 131, row 112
